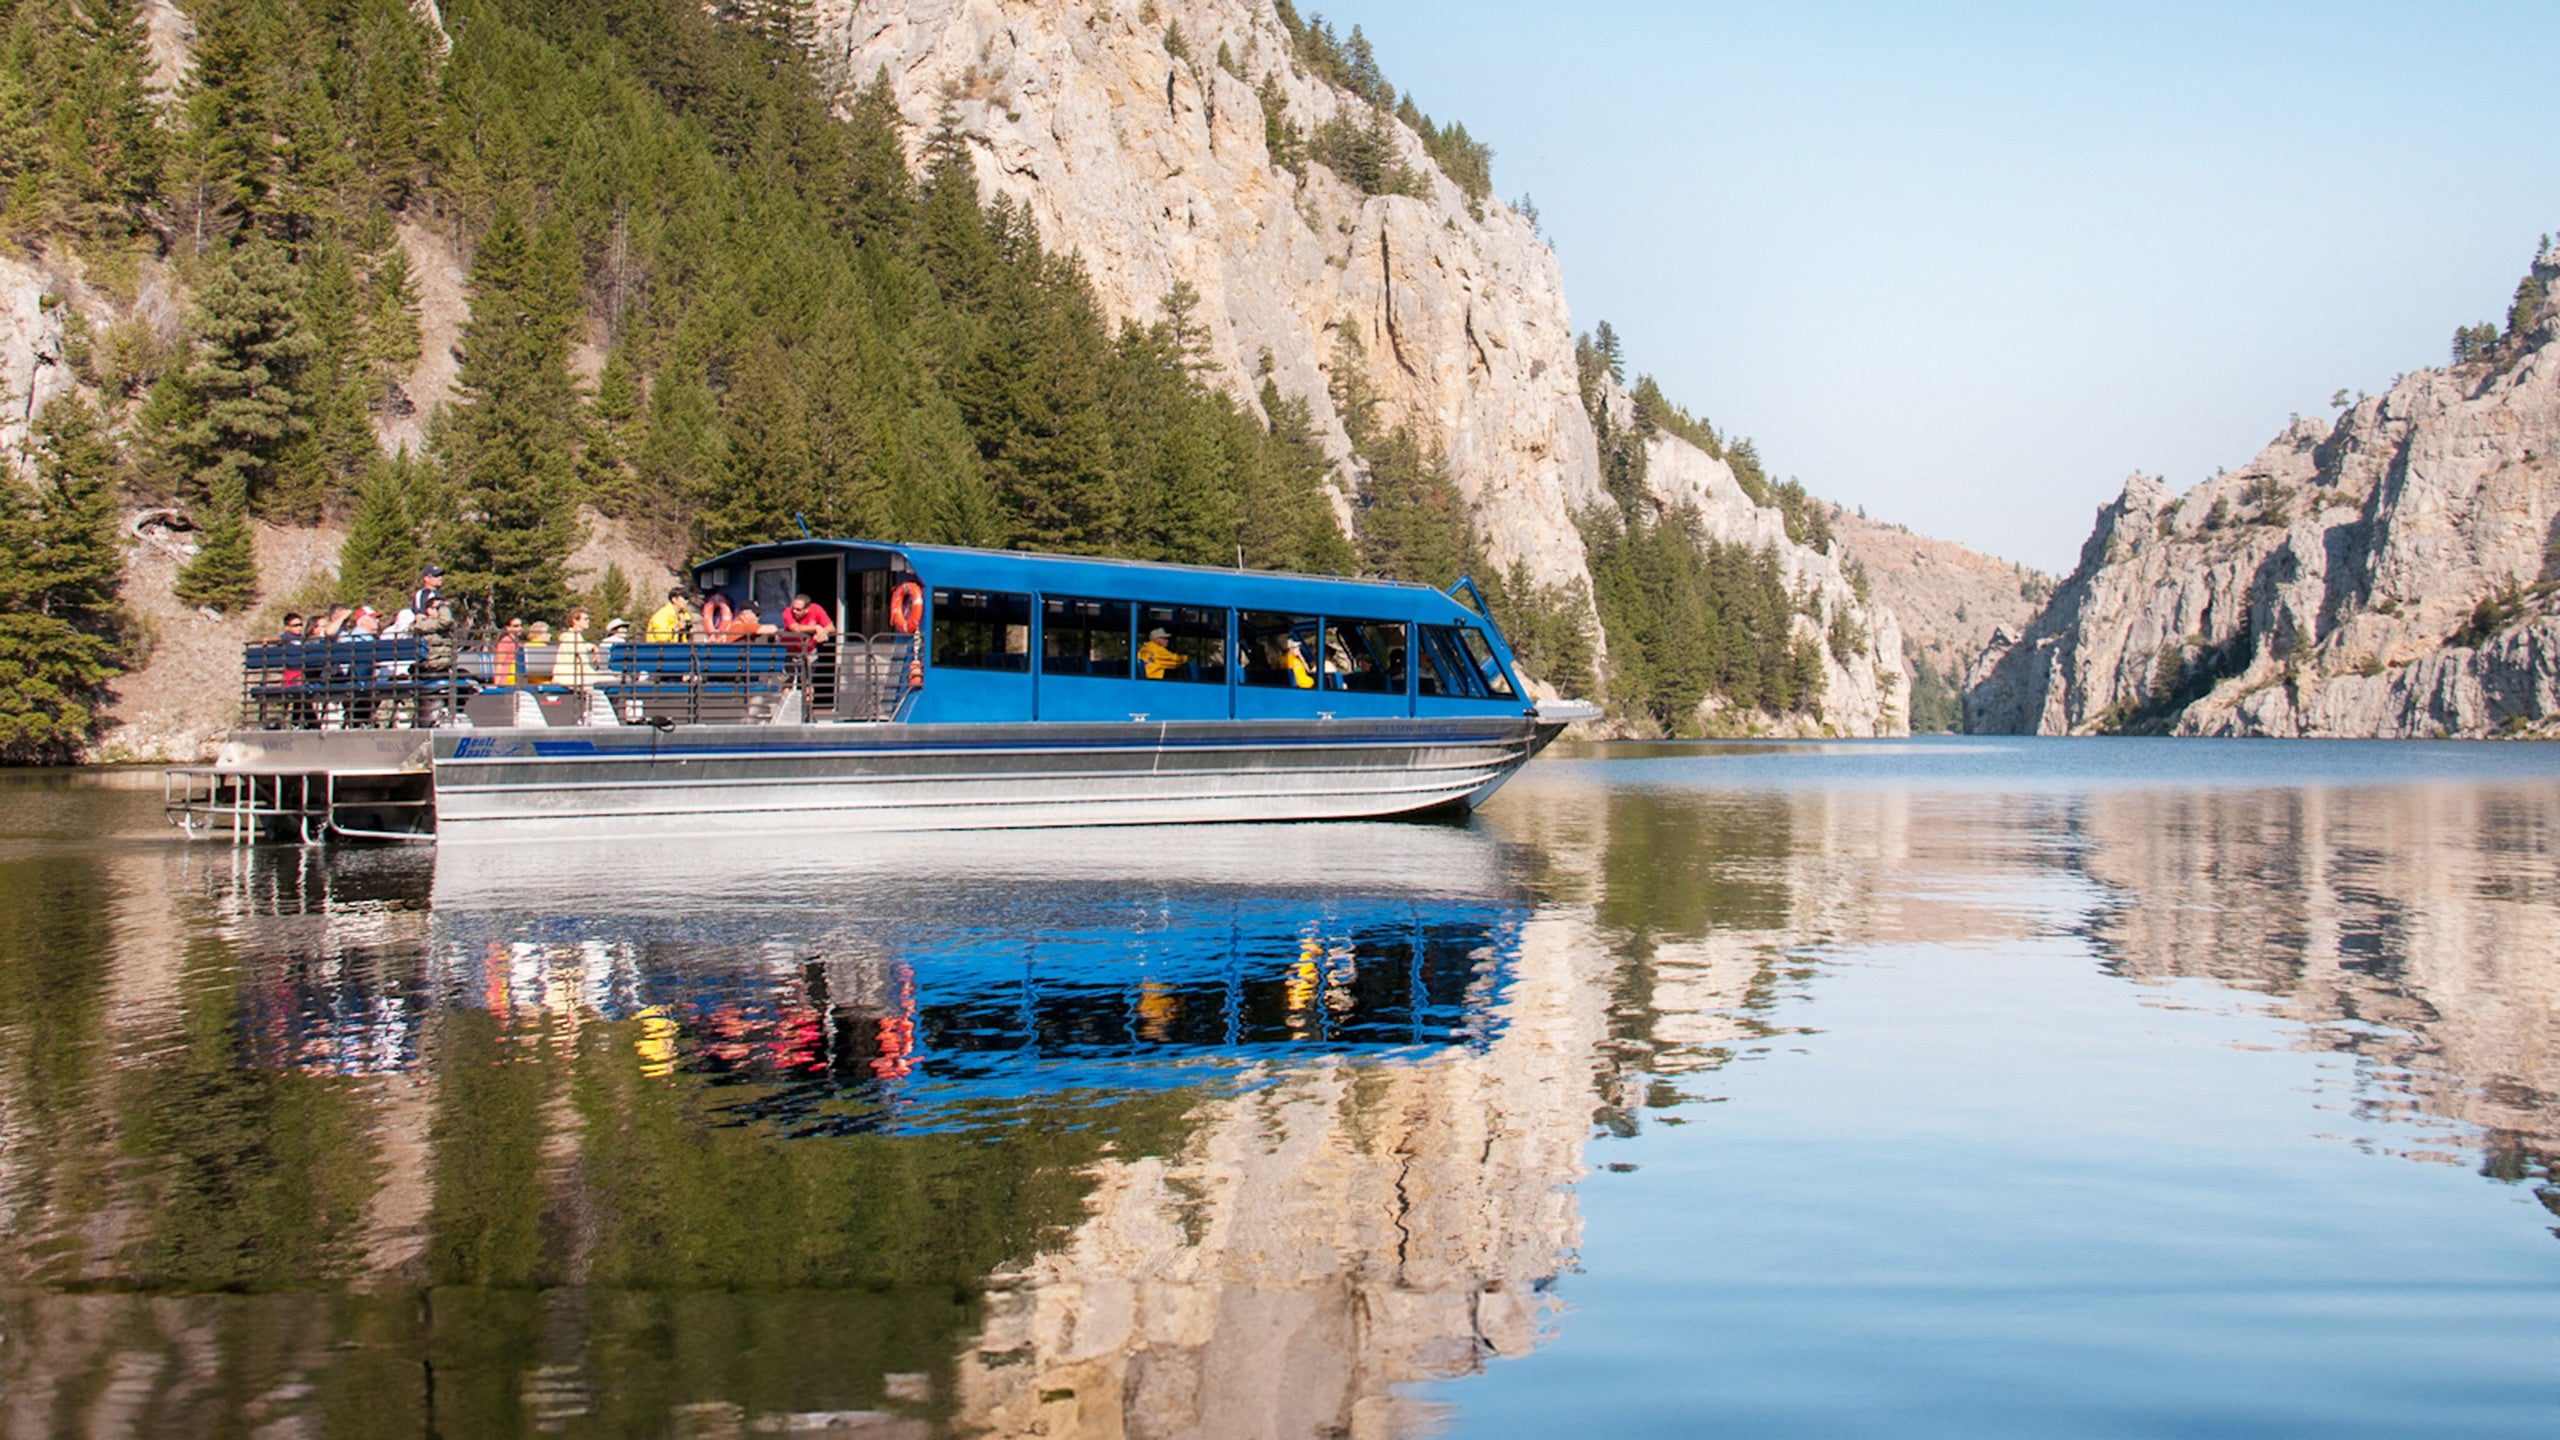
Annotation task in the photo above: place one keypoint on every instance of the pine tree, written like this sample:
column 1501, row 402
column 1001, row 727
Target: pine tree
column 611, row 599
column 882, row 195
column 613, row 430
column 327, row 461
column 512, row 439
column 1281, row 136
column 24, row 171
column 62, row 628
column 268, row 149
column 390, row 329
column 2526, row 308
column 249, row 379
column 103, row 147
column 1188, row 332
column 224, row 573
column 382, row 555
column 1285, row 517
column 1413, row 523
column 386, row 92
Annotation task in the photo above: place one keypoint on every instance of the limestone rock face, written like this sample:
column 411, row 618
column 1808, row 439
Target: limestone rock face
column 32, row 371
column 1948, row 599
column 1153, row 169
column 1863, row 692
column 2386, row 575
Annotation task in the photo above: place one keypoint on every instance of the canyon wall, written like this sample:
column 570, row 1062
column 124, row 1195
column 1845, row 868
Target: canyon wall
column 1153, row 168
column 2388, row 574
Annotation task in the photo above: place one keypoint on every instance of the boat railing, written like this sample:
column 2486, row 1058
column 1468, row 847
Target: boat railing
column 345, row 684
column 373, row 684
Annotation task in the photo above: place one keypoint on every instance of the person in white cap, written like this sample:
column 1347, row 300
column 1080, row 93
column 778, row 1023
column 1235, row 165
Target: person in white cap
column 1159, row 658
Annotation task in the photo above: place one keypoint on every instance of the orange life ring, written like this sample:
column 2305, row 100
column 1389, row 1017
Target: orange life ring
column 906, row 608
column 716, row 613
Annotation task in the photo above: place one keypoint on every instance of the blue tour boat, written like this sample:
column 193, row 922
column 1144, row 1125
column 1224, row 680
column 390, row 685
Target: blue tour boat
column 957, row 689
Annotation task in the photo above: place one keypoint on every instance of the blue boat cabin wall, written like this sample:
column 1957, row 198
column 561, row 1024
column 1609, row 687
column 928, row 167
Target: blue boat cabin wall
column 1012, row 637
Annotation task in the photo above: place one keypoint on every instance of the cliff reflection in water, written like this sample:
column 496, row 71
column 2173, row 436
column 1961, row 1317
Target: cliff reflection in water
column 596, row 1140
column 2414, row 929
column 1213, row 1132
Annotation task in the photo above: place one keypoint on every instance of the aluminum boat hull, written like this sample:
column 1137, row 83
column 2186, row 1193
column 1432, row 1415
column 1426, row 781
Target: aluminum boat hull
column 534, row 782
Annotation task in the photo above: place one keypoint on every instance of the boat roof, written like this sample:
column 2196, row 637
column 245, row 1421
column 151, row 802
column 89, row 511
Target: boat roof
column 1108, row 578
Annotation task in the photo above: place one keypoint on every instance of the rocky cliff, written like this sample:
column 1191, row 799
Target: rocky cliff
column 1153, row 167
column 1947, row 600
column 2389, row 574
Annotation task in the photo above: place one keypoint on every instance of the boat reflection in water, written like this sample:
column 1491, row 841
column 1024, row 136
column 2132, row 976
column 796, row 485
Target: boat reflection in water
column 924, row 985
column 1350, row 1175
column 1222, row 1131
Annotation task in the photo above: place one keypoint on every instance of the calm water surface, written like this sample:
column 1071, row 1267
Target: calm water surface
column 1939, row 1087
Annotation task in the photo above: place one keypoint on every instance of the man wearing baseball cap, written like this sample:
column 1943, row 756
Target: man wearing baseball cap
column 1157, row 656
column 429, row 585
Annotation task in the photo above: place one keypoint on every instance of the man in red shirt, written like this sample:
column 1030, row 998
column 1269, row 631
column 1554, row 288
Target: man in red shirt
column 806, row 620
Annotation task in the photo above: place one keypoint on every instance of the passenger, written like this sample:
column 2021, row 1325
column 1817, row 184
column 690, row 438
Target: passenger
column 510, row 652
column 806, row 617
column 536, row 660
column 575, row 665
column 364, row 625
column 402, row 626
column 327, row 626
column 1296, row 659
column 436, row 629
column 674, row 621
column 746, row 624
column 1159, row 658
column 612, row 654
column 290, row 634
column 430, row 584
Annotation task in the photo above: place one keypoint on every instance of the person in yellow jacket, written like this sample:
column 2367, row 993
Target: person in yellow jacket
column 673, row 621
column 1299, row 674
column 1159, row 658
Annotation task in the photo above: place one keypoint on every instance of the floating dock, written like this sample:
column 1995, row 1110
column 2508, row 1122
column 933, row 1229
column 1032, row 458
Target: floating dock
column 308, row 786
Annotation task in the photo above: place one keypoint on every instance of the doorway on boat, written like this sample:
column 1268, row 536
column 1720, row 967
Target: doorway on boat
column 820, row 577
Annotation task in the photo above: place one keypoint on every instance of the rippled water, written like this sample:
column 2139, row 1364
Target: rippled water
column 2145, row 1088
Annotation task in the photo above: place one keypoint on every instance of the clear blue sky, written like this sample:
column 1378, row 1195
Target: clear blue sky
column 1968, row 266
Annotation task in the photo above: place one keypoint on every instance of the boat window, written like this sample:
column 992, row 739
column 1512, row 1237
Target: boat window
column 981, row 630
column 1442, row 664
column 1364, row 655
column 1197, row 636
column 770, row 588
column 1263, row 638
column 1084, row 637
column 1488, row 665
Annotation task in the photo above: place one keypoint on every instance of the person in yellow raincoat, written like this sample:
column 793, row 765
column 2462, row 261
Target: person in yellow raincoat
column 1159, row 658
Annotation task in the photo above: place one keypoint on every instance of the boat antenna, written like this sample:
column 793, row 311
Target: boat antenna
column 1239, row 557
column 802, row 522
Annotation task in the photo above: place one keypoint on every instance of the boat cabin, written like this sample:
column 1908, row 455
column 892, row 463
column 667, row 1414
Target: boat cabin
column 1001, row 636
